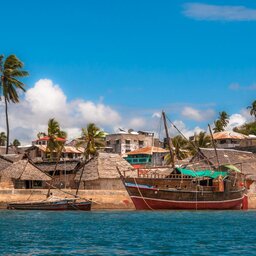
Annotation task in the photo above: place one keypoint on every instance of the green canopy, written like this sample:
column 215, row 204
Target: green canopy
column 231, row 167
column 203, row 173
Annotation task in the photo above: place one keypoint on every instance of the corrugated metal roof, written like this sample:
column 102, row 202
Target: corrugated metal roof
column 66, row 149
column 229, row 135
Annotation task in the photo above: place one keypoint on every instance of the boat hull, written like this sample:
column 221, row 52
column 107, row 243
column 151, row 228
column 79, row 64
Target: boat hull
column 149, row 198
column 49, row 206
column 159, row 204
column 79, row 206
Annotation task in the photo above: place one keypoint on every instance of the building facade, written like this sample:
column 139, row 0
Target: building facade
column 122, row 143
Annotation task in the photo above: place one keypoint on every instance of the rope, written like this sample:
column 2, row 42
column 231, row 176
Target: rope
column 142, row 195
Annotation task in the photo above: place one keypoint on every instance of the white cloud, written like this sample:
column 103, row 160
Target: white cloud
column 46, row 100
column 201, row 11
column 197, row 115
column 98, row 113
column 239, row 119
column 156, row 114
column 137, row 123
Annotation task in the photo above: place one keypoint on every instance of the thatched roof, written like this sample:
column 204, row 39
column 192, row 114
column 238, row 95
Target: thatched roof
column 104, row 167
column 4, row 162
column 68, row 165
column 24, row 170
column 246, row 161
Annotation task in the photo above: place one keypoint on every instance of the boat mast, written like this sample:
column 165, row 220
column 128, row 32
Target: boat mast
column 214, row 146
column 168, row 140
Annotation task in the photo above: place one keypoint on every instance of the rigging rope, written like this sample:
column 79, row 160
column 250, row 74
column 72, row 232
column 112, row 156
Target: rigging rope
column 142, row 195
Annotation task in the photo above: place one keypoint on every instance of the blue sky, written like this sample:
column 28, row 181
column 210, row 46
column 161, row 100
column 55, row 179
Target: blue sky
column 134, row 58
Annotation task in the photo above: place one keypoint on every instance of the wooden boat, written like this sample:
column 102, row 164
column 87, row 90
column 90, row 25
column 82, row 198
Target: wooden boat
column 78, row 205
column 55, row 205
column 58, row 205
column 188, row 189
column 179, row 191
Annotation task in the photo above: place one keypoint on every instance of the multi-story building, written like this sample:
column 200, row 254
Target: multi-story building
column 125, row 142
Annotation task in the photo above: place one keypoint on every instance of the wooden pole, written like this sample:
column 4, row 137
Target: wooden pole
column 168, row 140
column 213, row 143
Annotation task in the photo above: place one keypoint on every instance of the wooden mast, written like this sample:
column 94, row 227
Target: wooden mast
column 214, row 146
column 168, row 140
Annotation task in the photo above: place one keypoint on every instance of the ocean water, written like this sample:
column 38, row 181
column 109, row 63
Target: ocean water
column 128, row 233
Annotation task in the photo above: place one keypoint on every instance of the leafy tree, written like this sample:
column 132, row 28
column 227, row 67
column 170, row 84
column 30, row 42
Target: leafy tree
column 41, row 135
column 246, row 129
column 56, row 136
column 180, row 151
column 201, row 140
column 91, row 139
column 221, row 122
column 55, row 143
column 10, row 72
column 224, row 118
column 252, row 109
column 16, row 143
column 3, row 138
column 218, row 126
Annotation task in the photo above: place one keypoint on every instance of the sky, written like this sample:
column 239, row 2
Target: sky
column 120, row 63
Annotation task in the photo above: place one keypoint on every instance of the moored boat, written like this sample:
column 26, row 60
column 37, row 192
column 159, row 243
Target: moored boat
column 213, row 190
column 58, row 205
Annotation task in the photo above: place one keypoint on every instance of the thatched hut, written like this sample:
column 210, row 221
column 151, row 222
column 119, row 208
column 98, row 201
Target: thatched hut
column 23, row 175
column 64, row 174
column 101, row 172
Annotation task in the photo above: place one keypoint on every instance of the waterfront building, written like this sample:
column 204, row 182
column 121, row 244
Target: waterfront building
column 22, row 174
column 101, row 172
column 146, row 157
column 124, row 142
column 228, row 139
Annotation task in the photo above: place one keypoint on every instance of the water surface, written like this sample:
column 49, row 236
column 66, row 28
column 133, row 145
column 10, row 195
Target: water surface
column 128, row 233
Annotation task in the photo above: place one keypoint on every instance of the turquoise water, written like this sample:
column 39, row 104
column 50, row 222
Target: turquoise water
column 128, row 233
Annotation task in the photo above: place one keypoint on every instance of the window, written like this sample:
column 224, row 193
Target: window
column 141, row 143
column 127, row 142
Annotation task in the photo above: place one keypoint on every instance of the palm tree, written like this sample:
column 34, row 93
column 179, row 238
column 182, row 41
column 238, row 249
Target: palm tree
column 201, row 140
column 41, row 135
column 10, row 72
column 252, row 109
column 2, row 139
column 224, row 118
column 91, row 139
column 180, row 150
column 56, row 138
column 16, row 143
column 55, row 143
column 218, row 126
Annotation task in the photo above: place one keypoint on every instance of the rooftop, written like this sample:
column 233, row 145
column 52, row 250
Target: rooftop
column 229, row 135
column 147, row 151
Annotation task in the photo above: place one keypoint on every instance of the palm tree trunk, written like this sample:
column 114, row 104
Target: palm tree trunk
column 55, row 169
column 7, row 125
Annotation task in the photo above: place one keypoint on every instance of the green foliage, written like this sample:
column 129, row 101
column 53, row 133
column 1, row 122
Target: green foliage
column 3, row 138
column 91, row 139
column 246, row 129
column 54, row 133
column 252, row 109
column 16, row 143
column 10, row 72
column 221, row 122
column 201, row 140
